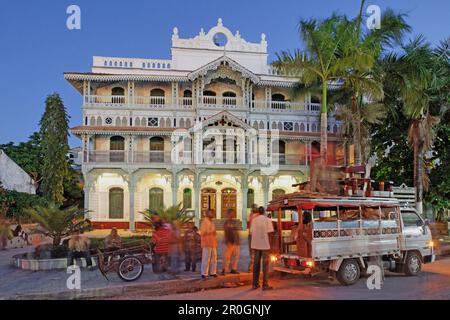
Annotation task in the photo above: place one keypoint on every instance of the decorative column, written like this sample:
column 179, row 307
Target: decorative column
column 132, row 191
column 268, row 94
column 197, row 191
column 265, row 188
column 130, row 93
column 175, row 90
column 244, row 200
column 175, row 186
column 219, row 149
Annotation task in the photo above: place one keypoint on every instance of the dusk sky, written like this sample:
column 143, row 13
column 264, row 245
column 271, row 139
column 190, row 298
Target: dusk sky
column 36, row 46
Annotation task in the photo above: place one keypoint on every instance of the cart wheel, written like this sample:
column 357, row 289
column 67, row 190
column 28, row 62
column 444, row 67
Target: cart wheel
column 130, row 269
column 349, row 272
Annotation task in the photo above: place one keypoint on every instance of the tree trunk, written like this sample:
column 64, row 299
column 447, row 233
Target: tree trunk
column 324, row 126
column 419, row 178
column 356, row 132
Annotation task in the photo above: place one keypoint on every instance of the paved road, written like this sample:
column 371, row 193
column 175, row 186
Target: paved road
column 15, row 282
column 432, row 283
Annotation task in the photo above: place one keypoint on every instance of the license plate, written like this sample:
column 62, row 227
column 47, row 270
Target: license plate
column 292, row 263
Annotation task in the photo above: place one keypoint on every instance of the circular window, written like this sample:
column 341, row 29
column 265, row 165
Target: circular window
column 220, row 40
column 108, row 121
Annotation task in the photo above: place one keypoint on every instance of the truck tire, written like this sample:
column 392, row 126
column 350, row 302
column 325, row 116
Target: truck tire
column 349, row 272
column 413, row 264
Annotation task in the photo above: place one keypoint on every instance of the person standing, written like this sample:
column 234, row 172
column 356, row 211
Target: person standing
column 161, row 240
column 209, row 246
column 260, row 228
column 232, row 245
column 253, row 215
column 190, row 242
column 175, row 249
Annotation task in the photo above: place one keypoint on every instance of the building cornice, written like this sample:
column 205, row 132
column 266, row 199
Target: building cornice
column 74, row 76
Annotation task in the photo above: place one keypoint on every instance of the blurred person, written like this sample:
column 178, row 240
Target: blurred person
column 79, row 247
column 261, row 228
column 192, row 243
column 209, row 245
column 232, row 245
column 161, row 240
column 5, row 233
column 175, row 249
column 113, row 241
column 253, row 215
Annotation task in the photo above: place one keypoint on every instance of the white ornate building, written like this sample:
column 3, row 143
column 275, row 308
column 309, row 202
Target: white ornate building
column 214, row 127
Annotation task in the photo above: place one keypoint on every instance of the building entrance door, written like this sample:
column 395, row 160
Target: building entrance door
column 208, row 201
column 229, row 201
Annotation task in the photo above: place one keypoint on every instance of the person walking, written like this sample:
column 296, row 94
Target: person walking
column 260, row 228
column 232, row 245
column 209, row 246
column 253, row 215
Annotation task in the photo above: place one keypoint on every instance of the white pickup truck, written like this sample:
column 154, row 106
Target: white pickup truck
column 343, row 236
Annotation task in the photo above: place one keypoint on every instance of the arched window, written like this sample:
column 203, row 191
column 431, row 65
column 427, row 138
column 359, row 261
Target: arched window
column 278, row 101
column 187, row 199
column 137, row 122
column 118, row 95
column 157, row 97
column 156, row 199
column 92, row 121
column 209, row 97
column 117, row 149
column 278, row 97
column 209, row 93
column 229, row 94
column 313, row 127
column 250, row 198
column 278, row 193
column 229, row 98
column 157, row 150
column 187, row 98
column 302, row 127
column 315, row 99
column 116, row 200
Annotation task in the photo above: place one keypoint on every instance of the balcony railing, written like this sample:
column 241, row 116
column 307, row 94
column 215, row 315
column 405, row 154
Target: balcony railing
column 204, row 102
column 186, row 158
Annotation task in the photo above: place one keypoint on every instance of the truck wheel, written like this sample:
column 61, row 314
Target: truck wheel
column 413, row 264
column 349, row 272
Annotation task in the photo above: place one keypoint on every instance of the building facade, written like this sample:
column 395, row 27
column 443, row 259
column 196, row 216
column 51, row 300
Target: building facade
column 212, row 128
column 13, row 177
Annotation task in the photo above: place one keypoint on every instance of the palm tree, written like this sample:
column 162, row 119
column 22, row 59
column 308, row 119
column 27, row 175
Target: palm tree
column 318, row 65
column 362, row 78
column 59, row 223
column 175, row 214
column 422, row 77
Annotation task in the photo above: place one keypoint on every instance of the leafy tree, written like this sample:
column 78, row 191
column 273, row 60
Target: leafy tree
column 28, row 155
column 54, row 134
column 59, row 223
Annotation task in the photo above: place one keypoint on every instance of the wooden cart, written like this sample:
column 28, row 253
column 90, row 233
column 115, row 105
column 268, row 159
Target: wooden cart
column 128, row 261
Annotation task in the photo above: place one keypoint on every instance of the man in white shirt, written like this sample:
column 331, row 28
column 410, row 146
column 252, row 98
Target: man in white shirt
column 260, row 228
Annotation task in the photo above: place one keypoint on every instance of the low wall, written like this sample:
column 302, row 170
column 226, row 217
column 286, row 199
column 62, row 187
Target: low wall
column 24, row 262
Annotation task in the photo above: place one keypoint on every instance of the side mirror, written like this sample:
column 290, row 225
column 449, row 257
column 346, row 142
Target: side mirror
column 419, row 223
column 427, row 222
